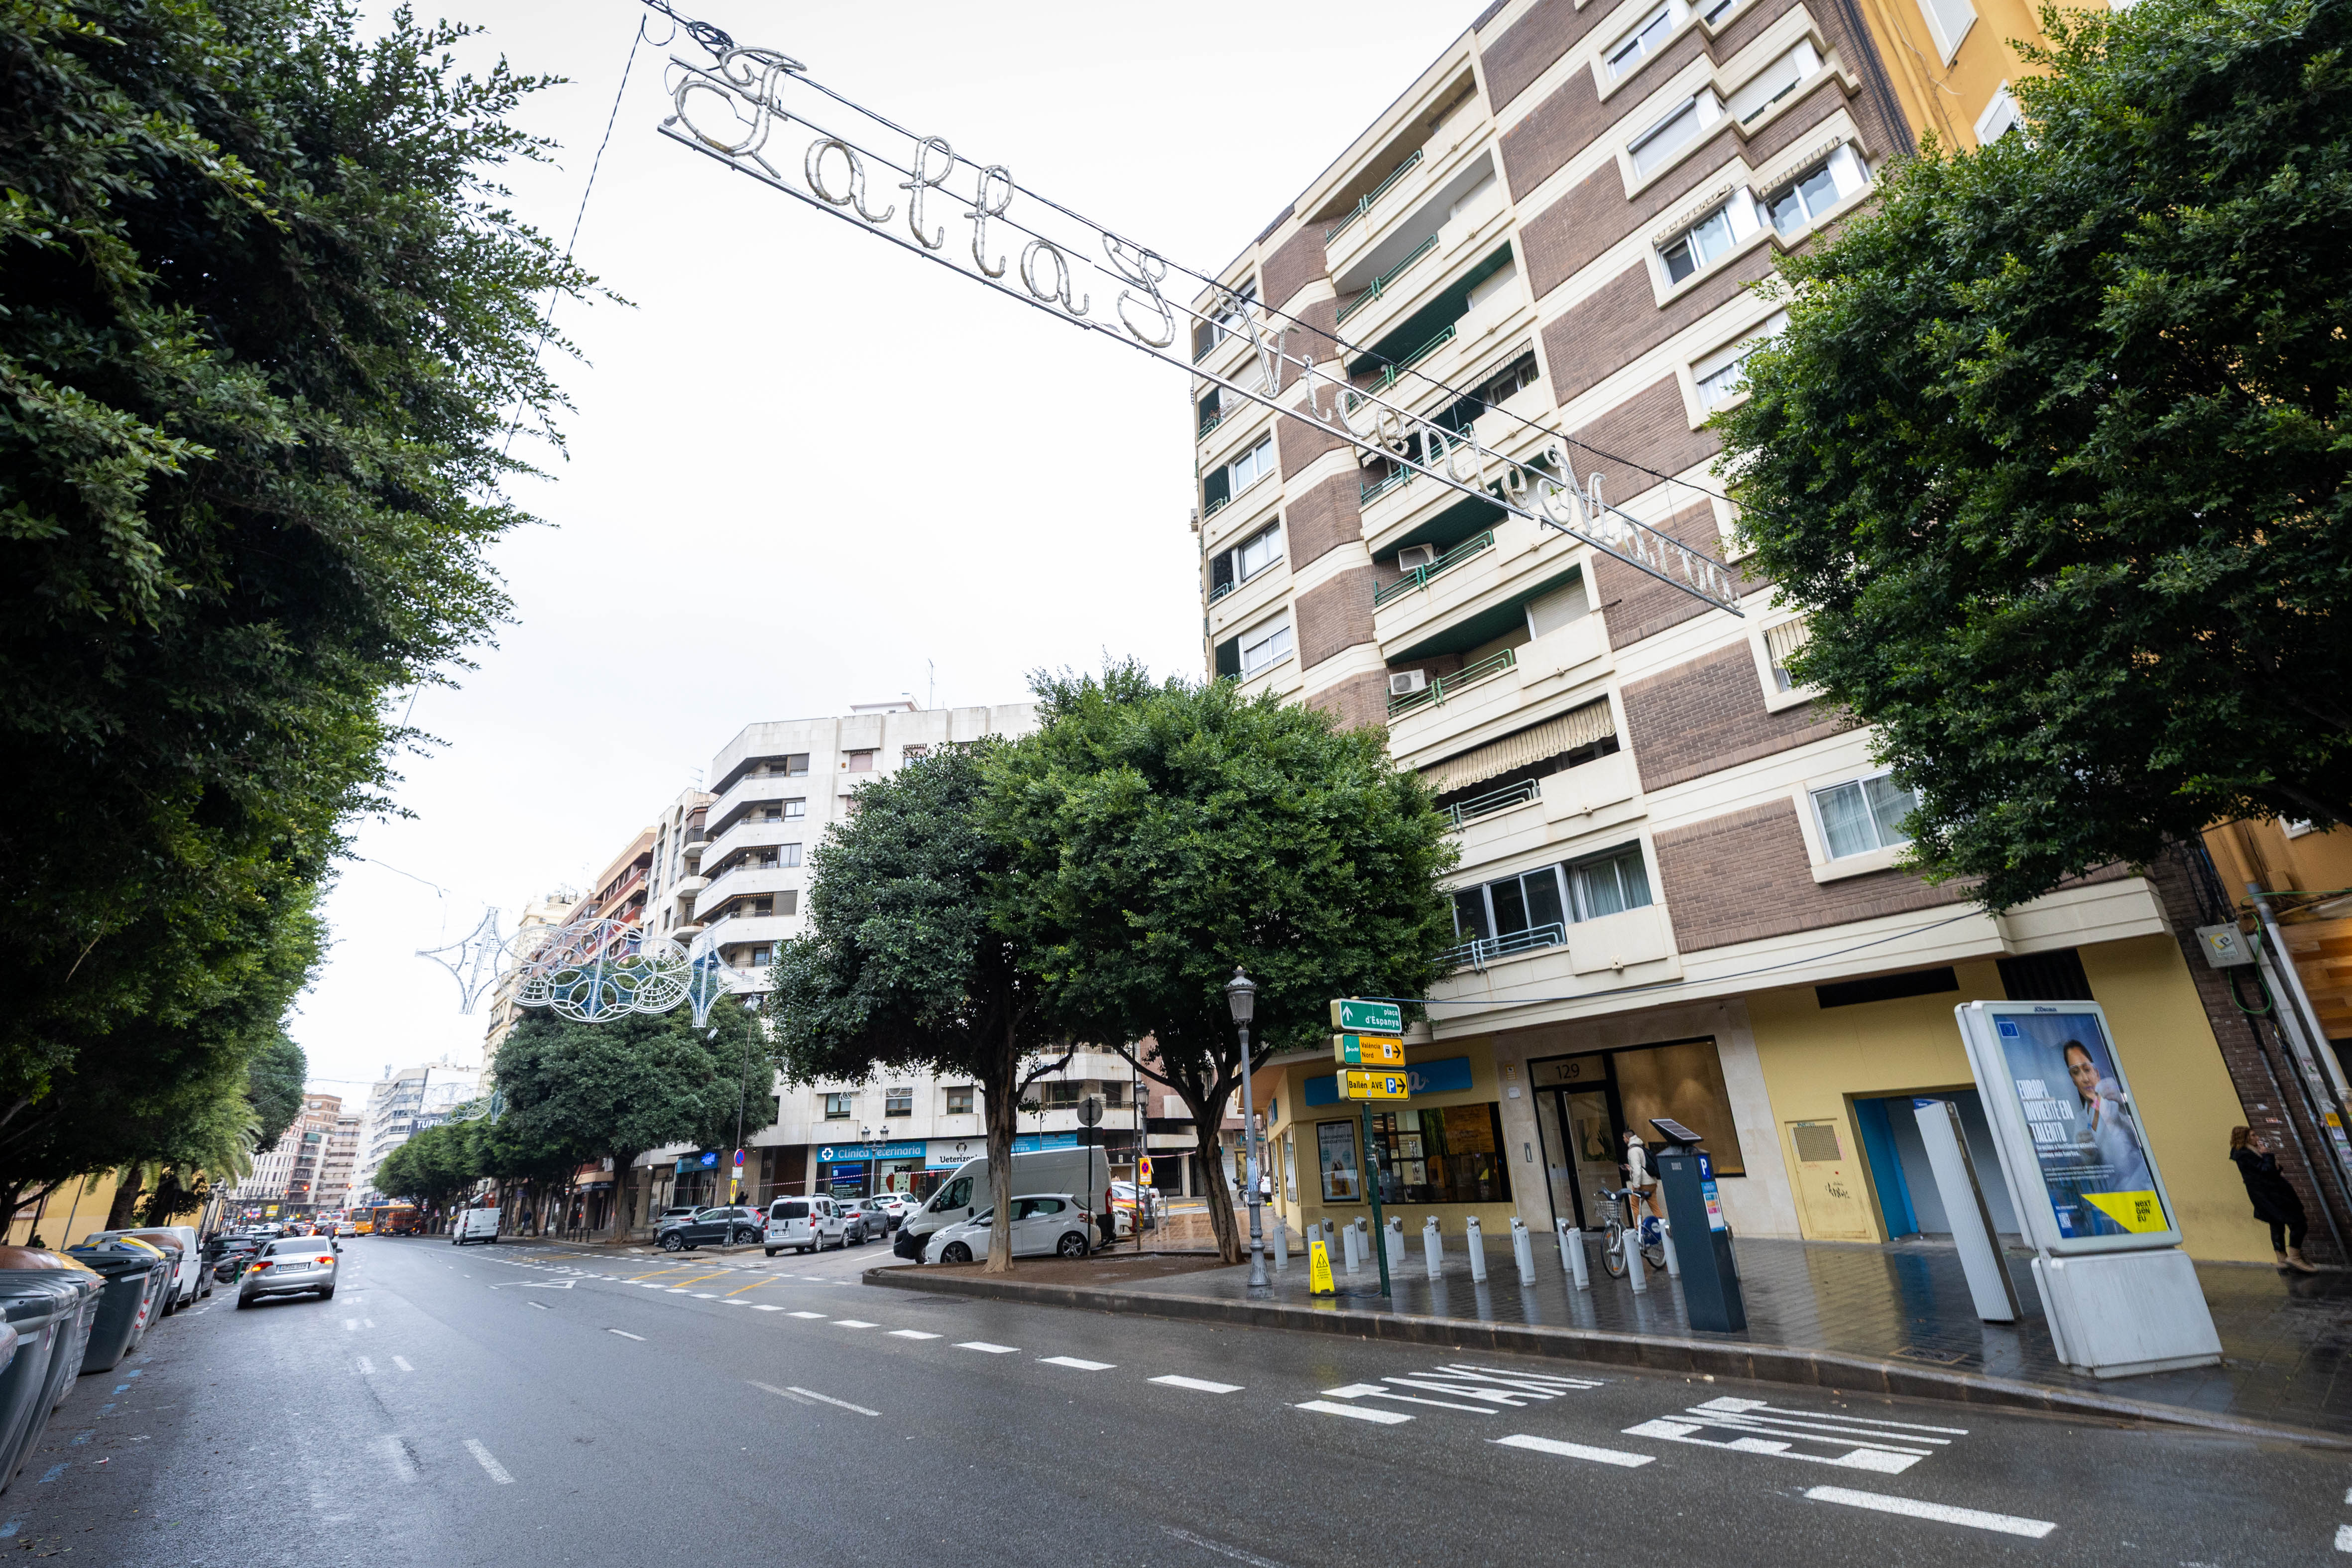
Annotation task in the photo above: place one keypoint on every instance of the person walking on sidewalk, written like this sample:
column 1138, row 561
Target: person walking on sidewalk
column 2276, row 1204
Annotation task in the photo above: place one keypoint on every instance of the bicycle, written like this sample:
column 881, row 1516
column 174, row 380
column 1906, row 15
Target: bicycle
column 1614, row 1206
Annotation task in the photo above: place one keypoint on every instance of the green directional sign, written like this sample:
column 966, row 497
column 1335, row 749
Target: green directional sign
column 1366, row 1018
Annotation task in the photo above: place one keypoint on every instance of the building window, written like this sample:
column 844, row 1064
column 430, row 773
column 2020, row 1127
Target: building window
column 1708, row 239
column 960, row 1100
column 1269, row 647
column 1253, row 465
column 1781, row 644
column 1449, row 1156
column 1723, row 375
column 1773, row 83
column 796, row 765
column 913, row 754
column 857, row 761
column 2001, row 116
column 1609, row 884
column 1655, row 147
column 898, row 1102
column 794, row 810
column 1808, row 198
column 1863, row 814
column 787, row 854
column 1061, row 1094
column 788, row 902
column 1645, row 36
column 837, row 1107
column 1257, row 552
column 1553, row 896
column 762, row 956
column 1951, row 21
column 1208, row 334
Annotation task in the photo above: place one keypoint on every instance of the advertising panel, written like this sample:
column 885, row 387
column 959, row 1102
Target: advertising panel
column 2067, row 1126
column 1334, row 1149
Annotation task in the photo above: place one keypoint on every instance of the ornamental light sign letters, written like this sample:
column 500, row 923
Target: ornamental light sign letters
column 760, row 113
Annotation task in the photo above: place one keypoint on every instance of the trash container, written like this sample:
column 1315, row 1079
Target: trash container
column 49, row 1300
column 136, row 1275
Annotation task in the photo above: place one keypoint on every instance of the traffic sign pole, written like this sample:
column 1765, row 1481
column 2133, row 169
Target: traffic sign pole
column 1372, row 1190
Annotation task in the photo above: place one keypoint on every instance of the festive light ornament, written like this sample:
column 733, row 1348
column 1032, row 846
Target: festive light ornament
column 592, row 971
column 710, row 977
column 477, row 962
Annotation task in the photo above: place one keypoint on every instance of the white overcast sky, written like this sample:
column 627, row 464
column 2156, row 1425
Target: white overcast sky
column 805, row 468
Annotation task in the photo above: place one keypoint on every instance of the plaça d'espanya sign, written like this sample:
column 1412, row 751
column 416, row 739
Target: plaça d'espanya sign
column 737, row 110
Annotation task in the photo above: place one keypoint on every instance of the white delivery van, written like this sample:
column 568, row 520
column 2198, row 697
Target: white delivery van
column 804, row 1225
column 475, row 1225
column 1081, row 1172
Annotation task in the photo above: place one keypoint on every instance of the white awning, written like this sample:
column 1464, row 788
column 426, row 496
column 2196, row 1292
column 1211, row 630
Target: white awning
column 1577, row 727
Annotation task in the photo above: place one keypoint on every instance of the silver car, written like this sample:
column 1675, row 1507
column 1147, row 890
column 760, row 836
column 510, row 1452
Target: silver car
column 287, row 1267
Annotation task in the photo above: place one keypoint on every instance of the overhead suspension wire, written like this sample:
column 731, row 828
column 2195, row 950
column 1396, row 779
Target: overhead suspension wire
column 748, row 81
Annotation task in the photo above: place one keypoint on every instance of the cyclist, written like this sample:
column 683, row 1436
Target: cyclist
column 1641, row 1187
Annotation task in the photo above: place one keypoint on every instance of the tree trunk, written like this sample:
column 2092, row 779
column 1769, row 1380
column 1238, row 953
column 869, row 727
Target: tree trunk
column 1003, row 1090
column 1208, row 1114
column 624, row 1195
column 126, row 1198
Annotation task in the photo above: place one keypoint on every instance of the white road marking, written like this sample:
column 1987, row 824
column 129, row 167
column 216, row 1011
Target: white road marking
column 808, row 1314
column 367, row 1323
column 911, row 1334
column 853, row 1323
column 2344, row 1532
column 540, row 1305
column 350, row 1322
column 729, row 1302
column 705, row 1295
column 829, row 1399
column 627, row 1335
column 1944, row 1513
column 1577, row 1451
column 1073, row 1361
column 367, row 1367
column 989, row 1349
column 1882, row 1447
column 496, row 1471
column 1199, row 1385
column 1374, row 1391
column 1324, row 1407
column 401, row 1363
column 396, row 1454
column 1220, row 1549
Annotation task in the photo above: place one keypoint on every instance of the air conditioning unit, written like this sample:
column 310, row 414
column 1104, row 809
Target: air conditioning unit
column 1405, row 682
column 1415, row 555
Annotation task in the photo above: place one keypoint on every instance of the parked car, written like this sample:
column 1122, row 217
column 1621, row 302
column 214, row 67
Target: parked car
column 896, row 1206
column 966, row 1192
column 676, row 1211
column 475, row 1225
column 1042, row 1223
column 190, row 1278
column 867, row 1218
column 804, row 1225
column 718, row 1227
column 347, row 1228
column 286, row 1266
column 228, row 1255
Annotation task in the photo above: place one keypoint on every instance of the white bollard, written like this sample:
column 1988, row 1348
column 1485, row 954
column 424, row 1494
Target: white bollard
column 1348, row 1242
column 1433, row 1250
column 1674, row 1264
column 1363, row 1229
column 1475, row 1240
column 1523, row 1250
column 1394, row 1241
column 1571, row 1254
column 1330, row 1241
column 1281, row 1245
column 1635, row 1270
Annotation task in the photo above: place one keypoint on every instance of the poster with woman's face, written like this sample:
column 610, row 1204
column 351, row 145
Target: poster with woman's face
column 2086, row 1139
column 1336, row 1153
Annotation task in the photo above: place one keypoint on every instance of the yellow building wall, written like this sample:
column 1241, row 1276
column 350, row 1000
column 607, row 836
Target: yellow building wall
column 1946, row 100
column 1817, row 1061
column 71, row 1213
column 1284, row 1088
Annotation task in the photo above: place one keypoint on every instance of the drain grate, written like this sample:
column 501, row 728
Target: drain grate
column 1937, row 1358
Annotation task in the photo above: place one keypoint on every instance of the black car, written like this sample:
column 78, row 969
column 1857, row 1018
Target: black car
column 718, row 1227
column 227, row 1256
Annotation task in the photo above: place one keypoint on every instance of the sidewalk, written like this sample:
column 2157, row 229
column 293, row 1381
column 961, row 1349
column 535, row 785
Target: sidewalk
column 1861, row 1317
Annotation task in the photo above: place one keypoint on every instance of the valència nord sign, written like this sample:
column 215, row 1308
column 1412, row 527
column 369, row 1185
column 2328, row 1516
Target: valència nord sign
column 738, row 110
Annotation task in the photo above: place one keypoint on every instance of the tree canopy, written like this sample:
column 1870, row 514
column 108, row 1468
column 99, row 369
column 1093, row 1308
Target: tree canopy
column 2054, row 449
column 907, row 962
column 265, row 320
column 1162, row 833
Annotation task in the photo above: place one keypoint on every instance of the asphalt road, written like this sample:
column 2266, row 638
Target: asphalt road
column 525, row 1405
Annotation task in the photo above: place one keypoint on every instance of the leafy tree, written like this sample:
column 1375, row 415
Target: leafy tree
column 264, row 321
column 434, row 1168
column 174, row 1196
column 1164, row 834
column 906, row 962
column 575, row 1091
column 273, row 1084
column 2055, row 450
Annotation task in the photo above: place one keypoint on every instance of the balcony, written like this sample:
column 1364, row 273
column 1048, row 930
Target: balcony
column 1381, row 285
column 1364, row 204
column 751, row 834
column 746, row 880
column 1461, row 814
column 1480, row 951
column 1417, row 580
column 1443, row 687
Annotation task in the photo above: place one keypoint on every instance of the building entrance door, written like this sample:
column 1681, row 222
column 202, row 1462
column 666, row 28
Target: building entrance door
column 1580, row 1129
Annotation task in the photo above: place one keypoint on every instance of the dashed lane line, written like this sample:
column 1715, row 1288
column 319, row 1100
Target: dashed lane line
column 808, row 1314
column 1198, row 1384
column 367, row 1367
column 983, row 1346
column 627, row 1335
column 853, row 1323
column 490, row 1465
column 911, row 1334
column 1618, row 1456
column 1355, row 1411
column 1943, row 1513
column 401, row 1363
column 1072, row 1360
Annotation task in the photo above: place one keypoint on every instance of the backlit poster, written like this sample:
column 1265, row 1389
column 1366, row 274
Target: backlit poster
column 1335, row 1147
column 2087, row 1141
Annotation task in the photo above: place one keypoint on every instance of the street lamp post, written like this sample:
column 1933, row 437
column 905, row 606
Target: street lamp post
column 1241, row 996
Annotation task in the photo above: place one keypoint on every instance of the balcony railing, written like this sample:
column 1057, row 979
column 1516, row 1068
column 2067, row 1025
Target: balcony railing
column 1490, row 803
column 1441, row 687
column 1480, row 951
column 1370, row 493
column 1210, row 421
column 1220, row 590
column 1214, row 507
column 1418, row 578
column 1398, row 367
column 1375, row 194
column 1381, row 283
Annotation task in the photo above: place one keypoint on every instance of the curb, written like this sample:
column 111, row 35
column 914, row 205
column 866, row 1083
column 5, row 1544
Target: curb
column 1645, row 1353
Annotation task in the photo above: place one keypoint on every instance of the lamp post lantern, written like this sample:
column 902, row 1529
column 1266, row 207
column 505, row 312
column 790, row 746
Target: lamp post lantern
column 1241, row 996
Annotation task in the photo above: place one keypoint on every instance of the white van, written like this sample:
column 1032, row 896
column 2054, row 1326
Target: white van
column 1084, row 1173
column 804, row 1225
column 475, row 1225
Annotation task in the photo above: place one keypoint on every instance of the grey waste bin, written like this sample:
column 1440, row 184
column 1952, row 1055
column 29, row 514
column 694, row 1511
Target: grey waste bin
column 50, row 1301
column 136, row 1275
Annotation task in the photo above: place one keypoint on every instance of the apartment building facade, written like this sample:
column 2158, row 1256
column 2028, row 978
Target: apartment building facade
column 1678, row 892
column 294, row 1171
column 400, row 1105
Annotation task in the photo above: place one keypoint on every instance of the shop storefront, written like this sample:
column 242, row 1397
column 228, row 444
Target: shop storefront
column 867, row 1170
column 1586, row 1103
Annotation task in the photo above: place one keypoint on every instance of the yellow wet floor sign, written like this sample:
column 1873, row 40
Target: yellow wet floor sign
column 1318, row 1270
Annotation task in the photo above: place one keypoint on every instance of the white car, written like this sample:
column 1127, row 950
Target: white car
column 1044, row 1224
column 804, row 1225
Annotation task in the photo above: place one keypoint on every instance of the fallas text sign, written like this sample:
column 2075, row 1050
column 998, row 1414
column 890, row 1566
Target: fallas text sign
column 760, row 113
